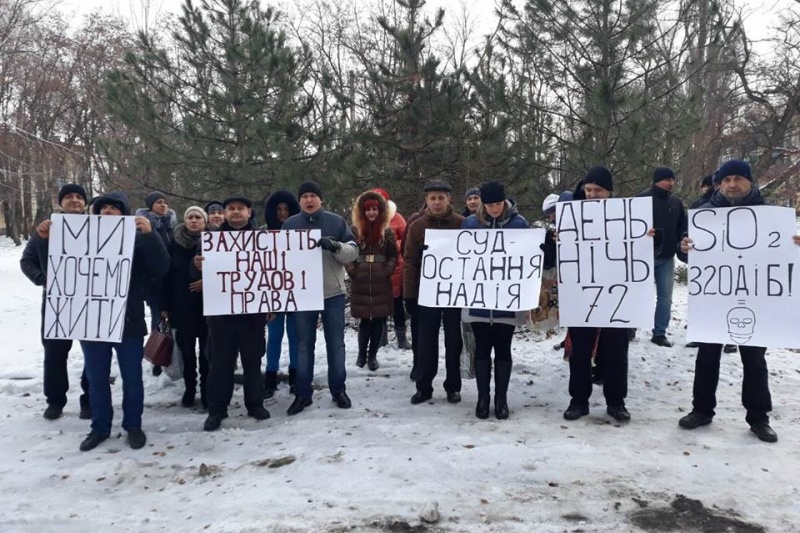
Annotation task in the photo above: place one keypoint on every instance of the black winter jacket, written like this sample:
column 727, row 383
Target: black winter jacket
column 669, row 221
column 185, row 306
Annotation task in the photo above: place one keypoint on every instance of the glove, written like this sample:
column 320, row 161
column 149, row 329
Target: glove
column 326, row 243
column 411, row 305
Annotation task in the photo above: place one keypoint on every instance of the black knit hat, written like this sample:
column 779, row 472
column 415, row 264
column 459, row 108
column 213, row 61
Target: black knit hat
column 152, row 198
column 309, row 187
column 707, row 181
column 70, row 188
column 663, row 173
column 437, row 186
column 601, row 176
column 241, row 199
column 734, row 167
column 472, row 191
column 492, row 192
column 214, row 206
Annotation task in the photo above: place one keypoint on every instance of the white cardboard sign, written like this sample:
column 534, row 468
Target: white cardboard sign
column 743, row 277
column 263, row 271
column 482, row 269
column 88, row 276
column 605, row 263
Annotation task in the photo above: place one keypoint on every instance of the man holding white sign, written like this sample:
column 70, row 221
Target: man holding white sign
column 150, row 260
column 438, row 214
column 740, row 290
column 72, row 200
column 605, row 271
column 238, row 328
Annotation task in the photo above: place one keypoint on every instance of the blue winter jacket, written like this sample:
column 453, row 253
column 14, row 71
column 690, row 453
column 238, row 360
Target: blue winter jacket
column 510, row 219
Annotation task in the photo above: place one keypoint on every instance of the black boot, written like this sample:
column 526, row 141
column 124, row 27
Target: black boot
column 402, row 339
column 363, row 340
column 270, row 383
column 483, row 375
column 188, row 396
column 292, row 379
column 372, row 357
column 502, row 375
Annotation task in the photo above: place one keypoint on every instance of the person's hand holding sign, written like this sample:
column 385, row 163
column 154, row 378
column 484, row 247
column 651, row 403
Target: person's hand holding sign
column 143, row 225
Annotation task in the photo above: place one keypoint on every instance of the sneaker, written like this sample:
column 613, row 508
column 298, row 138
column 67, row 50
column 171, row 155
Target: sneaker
column 661, row 340
column 53, row 412
column 213, row 422
column 259, row 413
column 575, row 411
column 92, row 440
column 453, row 396
column 342, row 400
column 298, row 405
column 764, row 432
column 694, row 420
column 86, row 413
column 618, row 413
column 420, row 397
column 136, row 438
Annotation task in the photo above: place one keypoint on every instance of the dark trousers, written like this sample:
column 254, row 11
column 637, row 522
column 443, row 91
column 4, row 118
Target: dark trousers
column 413, row 315
column 370, row 331
column 226, row 336
column 493, row 336
column 430, row 319
column 399, row 313
column 612, row 346
column 490, row 337
column 56, row 377
column 187, row 339
column 755, row 382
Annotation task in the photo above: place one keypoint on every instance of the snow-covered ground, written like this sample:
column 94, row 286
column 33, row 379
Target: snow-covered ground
column 379, row 465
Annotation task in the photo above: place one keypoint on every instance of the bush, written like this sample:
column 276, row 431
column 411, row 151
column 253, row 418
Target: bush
column 682, row 274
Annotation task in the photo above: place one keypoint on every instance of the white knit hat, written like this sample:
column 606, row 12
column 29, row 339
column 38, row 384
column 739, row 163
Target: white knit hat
column 549, row 204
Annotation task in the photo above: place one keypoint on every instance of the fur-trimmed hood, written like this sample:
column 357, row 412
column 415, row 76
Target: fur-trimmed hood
column 271, row 207
column 170, row 220
column 359, row 219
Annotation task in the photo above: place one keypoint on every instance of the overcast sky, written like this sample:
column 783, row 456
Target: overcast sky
column 759, row 14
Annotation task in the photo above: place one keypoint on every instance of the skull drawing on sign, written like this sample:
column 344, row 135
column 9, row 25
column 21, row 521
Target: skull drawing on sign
column 741, row 322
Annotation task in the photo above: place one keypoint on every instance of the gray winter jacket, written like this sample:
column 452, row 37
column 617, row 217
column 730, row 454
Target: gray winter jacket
column 333, row 226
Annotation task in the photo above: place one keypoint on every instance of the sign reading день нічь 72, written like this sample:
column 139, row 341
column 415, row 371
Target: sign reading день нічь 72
column 605, row 263
column 88, row 276
column 498, row 269
column 742, row 276
column 263, row 271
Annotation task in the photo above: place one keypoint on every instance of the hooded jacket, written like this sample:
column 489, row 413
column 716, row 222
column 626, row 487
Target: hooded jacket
column 333, row 226
column 415, row 242
column 271, row 208
column 509, row 219
column 150, row 261
column 371, row 288
column 162, row 225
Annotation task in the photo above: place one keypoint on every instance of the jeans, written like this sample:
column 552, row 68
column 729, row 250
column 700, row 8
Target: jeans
column 333, row 329
column 97, row 364
column 275, row 339
column 664, row 272
column 756, row 397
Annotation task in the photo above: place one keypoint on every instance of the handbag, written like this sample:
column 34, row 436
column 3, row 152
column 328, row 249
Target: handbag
column 158, row 349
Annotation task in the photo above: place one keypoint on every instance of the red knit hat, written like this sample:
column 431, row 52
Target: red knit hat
column 382, row 192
